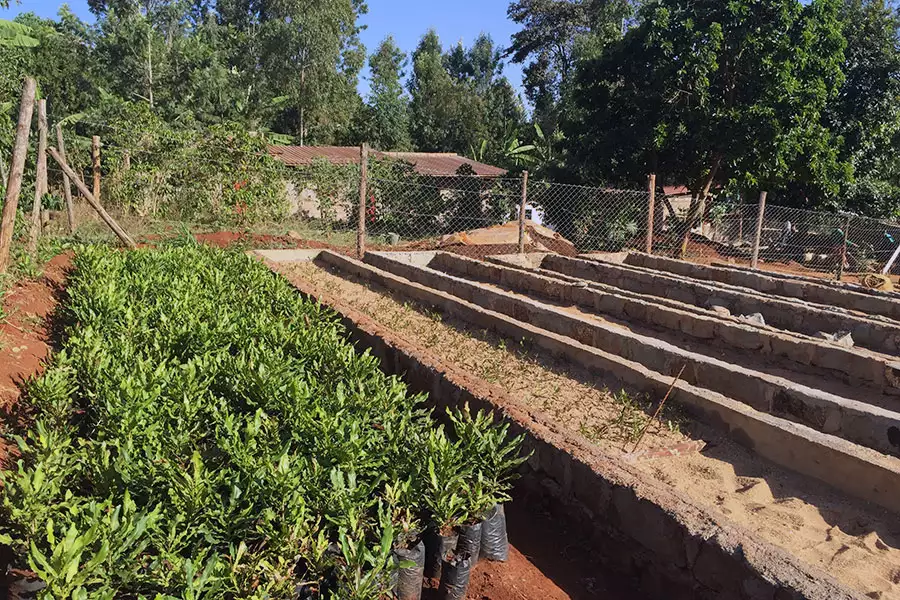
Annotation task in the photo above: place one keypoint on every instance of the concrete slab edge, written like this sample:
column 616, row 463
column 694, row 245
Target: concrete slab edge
column 852, row 420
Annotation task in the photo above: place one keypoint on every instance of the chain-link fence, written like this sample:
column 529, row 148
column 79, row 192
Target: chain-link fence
column 406, row 206
column 793, row 240
column 410, row 206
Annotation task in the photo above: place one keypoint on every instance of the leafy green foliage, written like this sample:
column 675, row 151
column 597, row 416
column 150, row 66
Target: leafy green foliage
column 386, row 117
column 205, row 432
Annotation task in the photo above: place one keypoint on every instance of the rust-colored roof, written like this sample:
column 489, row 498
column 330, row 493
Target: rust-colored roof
column 437, row 164
column 295, row 156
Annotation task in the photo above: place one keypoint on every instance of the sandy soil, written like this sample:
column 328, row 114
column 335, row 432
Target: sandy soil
column 855, row 542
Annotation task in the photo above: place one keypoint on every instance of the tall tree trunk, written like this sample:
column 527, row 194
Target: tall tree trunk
column 150, row 65
column 698, row 204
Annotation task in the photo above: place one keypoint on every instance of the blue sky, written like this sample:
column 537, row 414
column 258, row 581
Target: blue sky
column 406, row 20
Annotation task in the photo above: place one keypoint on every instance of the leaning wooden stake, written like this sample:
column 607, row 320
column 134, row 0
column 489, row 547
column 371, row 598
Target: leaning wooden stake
column 40, row 180
column 95, row 165
column 122, row 235
column 651, row 209
column 67, row 184
column 16, row 170
column 659, row 408
column 363, row 185
column 754, row 262
column 522, row 212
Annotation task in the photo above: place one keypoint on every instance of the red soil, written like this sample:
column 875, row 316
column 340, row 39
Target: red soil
column 25, row 334
column 221, row 239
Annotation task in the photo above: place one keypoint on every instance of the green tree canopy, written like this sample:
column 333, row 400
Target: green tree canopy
column 387, row 113
column 709, row 92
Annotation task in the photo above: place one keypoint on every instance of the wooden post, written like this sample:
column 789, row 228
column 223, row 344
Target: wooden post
column 754, row 262
column 122, row 235
column 651, row 208
column 126, row 160
column 40, row 179
column 843, row 260
column 95, row 165
column 363, row 184
column 67, row 184
column 522, row 212
column 16, row 170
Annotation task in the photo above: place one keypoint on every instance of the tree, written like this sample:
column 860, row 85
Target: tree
column 710, row 92
column 555, row 36
column 309, row 51
column 444, row 116
column 866, row 111
column 387, row 111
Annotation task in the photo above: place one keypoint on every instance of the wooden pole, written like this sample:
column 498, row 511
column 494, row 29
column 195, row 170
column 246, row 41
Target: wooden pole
column 67, row 184
column 363, row 184
column 95, row 165
column 122, row 235
column 659, row 408
column 651, row 208
column 843, row 259
column 754, row 262
column 16, row 170
column 40, row 179
column 522, row 212
column 126, row 160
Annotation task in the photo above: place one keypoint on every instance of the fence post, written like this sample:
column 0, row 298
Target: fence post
column 754, row 262
column 843, row 260
column 651, row 208
column 40, row 179
column 16, row 170
column 67, row 183
column 522, row 212
column 95, row 165
column 363, row 185
column 117, row 229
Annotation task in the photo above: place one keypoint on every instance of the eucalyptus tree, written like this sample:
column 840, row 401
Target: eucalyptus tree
column 386, row 118
column 555, row 36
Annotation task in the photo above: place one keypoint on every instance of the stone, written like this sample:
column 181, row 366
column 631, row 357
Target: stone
column 843, row 339
column 718, row 306
column 755, row 318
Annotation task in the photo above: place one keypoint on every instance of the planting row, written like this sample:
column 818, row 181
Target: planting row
column 205, row 432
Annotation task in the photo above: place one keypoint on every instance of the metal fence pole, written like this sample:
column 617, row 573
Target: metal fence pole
column 651, row 207
column 522, row 212
column 754, row 263
column 363, row 183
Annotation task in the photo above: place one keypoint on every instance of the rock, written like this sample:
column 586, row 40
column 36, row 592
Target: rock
column 755, row 318
column 293, row 234
column 721, row 311
column 841, row 338
column 714, row 302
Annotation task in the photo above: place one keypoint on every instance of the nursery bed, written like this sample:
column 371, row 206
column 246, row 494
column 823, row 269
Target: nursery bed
column 853, row 541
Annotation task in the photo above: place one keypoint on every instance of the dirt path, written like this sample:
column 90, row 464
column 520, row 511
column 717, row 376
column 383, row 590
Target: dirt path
column 25, row 335
column 856, row 543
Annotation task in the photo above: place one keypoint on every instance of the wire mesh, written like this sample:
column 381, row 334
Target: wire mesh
column 411, row 206
column 792, row 240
